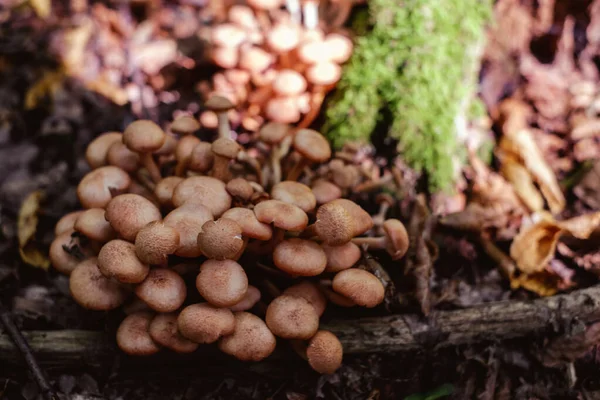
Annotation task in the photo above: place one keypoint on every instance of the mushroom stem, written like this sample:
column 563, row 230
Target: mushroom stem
column 311, row 14
column 293, row 7
column 372, row 242
column 296, row 170
column 379, row 218
column 150, row 165
column 144, row 181
column 316, row 102
column 221, row 168
column 224, row 128
column 181, row 167
column 277, row 154
column 252, row 162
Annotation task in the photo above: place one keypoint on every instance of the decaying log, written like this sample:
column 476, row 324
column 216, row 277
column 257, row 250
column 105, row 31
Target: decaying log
column 488, row 322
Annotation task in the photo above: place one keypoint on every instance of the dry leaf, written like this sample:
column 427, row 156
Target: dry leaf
column 522, row 181
column 535, row 245
column 542, row 283
column 582, row 226
column 41, row 7
column 49, row 83
column 26, row 229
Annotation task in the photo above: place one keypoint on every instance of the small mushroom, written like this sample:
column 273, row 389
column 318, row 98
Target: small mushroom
column 185, row 125
column 95, row 154
column 133, row 336
column 311, row 293
column 120, row 156
column 222, row 283
column 340, row 220
column 163, row 330
column 220, row 239
column 360, row 286
column 65, row 261
column 155, row 242
column 251, row 339
column 224, row 150
column 395, row 240
column 292, row 318
column 117, row 259
column 67, row 222
column 282, row 39
column 183, row 153
column 251, row 226
column 128, row 213
column 97, row 187
column 187, row 220
column 91, row 223
column 289, row 83
column 94, row 291
column 283, row 215
column 202, row 158
column 164, row 190
column 300, row 257
column 313, row 147
column 240, row 189
column 251, row 297
column 341, row 257
column 203, row 323
column 145, row 137
column 295, row 193
column 221, row 105
column 283, row 110
column 325, row 191
column 204, row 190
column 163, row 290
column 324, row 352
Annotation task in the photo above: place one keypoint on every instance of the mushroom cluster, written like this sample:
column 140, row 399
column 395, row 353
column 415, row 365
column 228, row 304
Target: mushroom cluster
column 278, row 63
column 189, row 236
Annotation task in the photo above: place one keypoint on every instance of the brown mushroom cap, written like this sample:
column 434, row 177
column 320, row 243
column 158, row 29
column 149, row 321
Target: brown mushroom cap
column 220, row 239
column 340, row 220
column 203, row 323
column 219, row 103
column 295, row 193
column 133, row 336
column 164, row 190
column 94, row 291
column 91, row 223
column 226, row 147
column 300, row 257
column 144, row 136
column 168, row 147
column 337, row 298
column 324, row 352
column 341, row 257
column 120, row 156
column 240, row 188
column 360, row 286
column 346, row 177
column 324, row 73
column 250, row 341
column 397, row 238
column 117, row 259
column 67, row 222
column 339, row 47
column 185, row 147
column 96, row 188
column 63, row 261
column 163, row 290
column 254, row 59
column 222, row 283
column 282, row 215
column 325, row 191
column 251, row 297
column 128, row 213
column 312, row 145
column 251, row 226
column 283, row 37
column 202, row 157
column 282, row 110
column 188, row 220
column 292, row 318
column 95, row 154
column 155, row 242
column 206, row 190
column 289, row 83
column 310, row 292
column 163, row 330
column 185, row 125
column 273, row 132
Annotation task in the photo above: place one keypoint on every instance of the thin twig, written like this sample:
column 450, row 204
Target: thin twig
column 21, row 343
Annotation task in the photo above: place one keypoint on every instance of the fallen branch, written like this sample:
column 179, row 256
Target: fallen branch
column 488, row 322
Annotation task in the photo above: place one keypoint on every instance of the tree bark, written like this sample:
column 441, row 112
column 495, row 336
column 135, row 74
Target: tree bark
column 395, row 333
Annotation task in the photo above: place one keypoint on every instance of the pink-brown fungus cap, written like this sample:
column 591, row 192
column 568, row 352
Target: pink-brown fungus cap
column 289, row 83
column 239, row 188
column 310, row 292
column 251, row 226
column 117, row 259
column 300, row 257
column 283, row 215
column 163, row 330
column 144, row 136
column 324, row 352
column 96, row 152
column 360, row 286
column 188, row 220
column 206, row 190
column 133, row 336
column 202, row 158
column 340, row 220
column 67, row 222
column 128, row 213
column 185, row 125
column 341, row 257
column 294, row 193
column 164, row 190
column 251, row 339
column 97, row 187
column 203, row 323
column 155, row 242
column 325, row 191
column 65, row 261
column 251, row 297
column 220, row 239
column 222, row 283
column 92, row 224
column 273, row 132
column 163, row 290
column 292, row 318
column 92, row 290
column 120, row 156
column 312, row 145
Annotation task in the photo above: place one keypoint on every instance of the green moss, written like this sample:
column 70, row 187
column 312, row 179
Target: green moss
column 419, row 64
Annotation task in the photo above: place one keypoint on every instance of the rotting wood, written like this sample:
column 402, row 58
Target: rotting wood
column 395, row 333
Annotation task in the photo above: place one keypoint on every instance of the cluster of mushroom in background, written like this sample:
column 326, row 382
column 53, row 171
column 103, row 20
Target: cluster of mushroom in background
column 278, row 63
column 166, row 211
